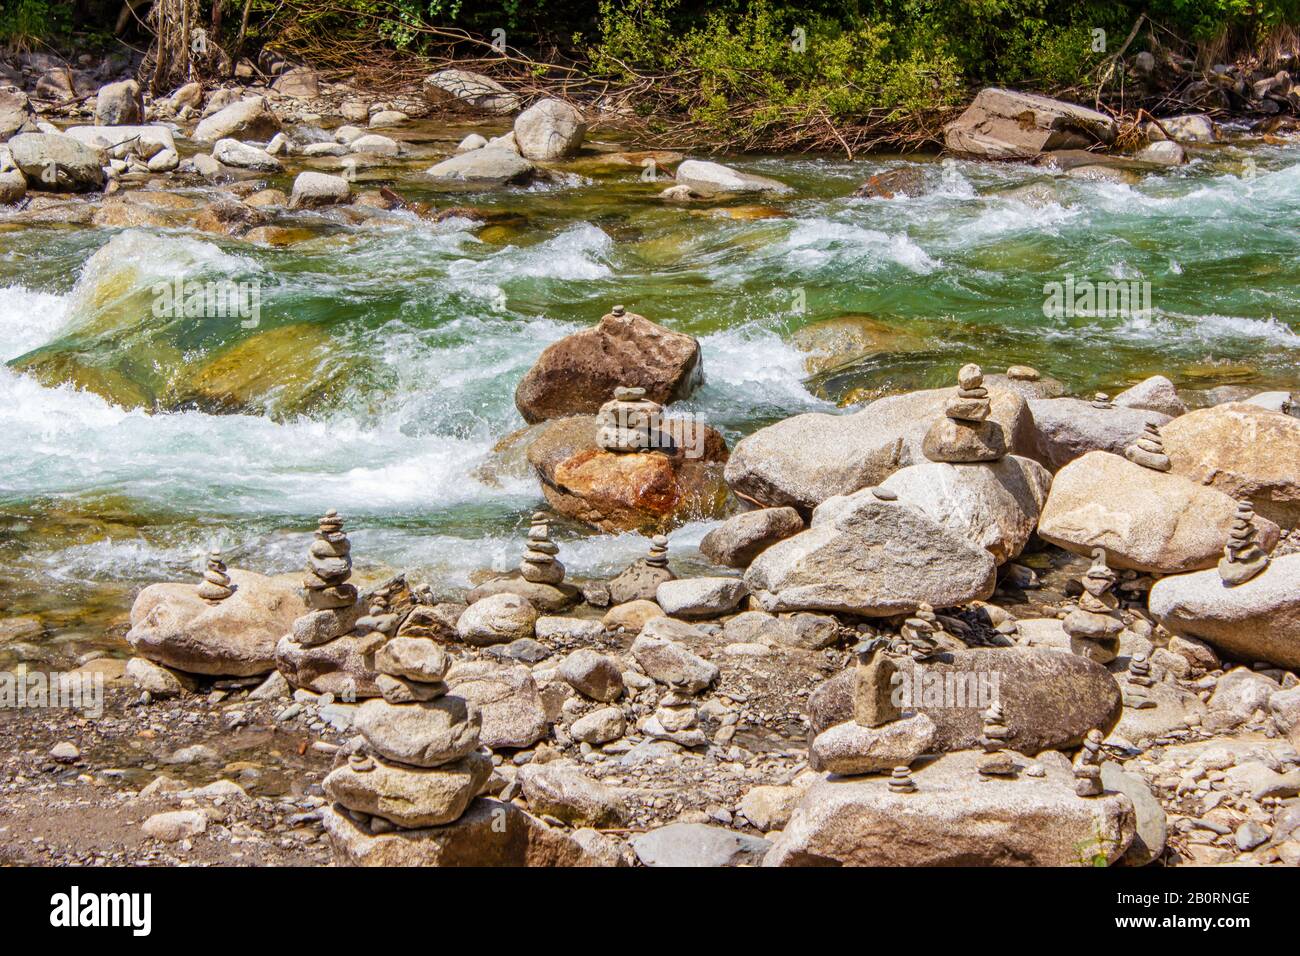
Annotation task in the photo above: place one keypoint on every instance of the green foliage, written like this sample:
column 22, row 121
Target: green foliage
column 24, row 21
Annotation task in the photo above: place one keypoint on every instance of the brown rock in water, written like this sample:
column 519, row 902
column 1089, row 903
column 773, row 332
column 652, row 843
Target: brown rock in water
column 579, row 373
column 1243, row 450
column 172, row 625
column 907, row 180
column 652, row 490
column 229, row 217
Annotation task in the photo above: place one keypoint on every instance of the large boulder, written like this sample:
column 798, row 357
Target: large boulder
column 742, row 538
column 497, row 619
column 956, row 818
column 319, row 189
column 57, row 163
column 995, row 504
column 549, row 130
column 1147, row 520
column 153, row 144
column 1243, row 450
column 1050, row 699
column 710, row 179
column 172, row 625
column 850, row 748
column 250, row 119
column 650, row 490
column 463, row 90
column 16, row 114
column 579, row 373
column 804, row 460
column 491, row 833
column 1005, row 124
column 1069, row 428
column 117, row 104
column 1255, row 621
column 1154, row 394
column 866, row 556
column 487, row 166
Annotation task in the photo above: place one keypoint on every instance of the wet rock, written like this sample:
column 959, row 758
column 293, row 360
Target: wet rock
column 1242, row 450
column 995, row 505
column 491, row 833
column 1164, row 153
column 905, row 181
column 375, row 145
column 461, row 89
column 698, row 844
column 1257, row 620
column 319, row 189
column 740, row 539
column 1155, row 394
column 487, row 166
column 956, row 818
column 579, row 373
column 250, row 119
column 549, row 130
column 172, row 625
column 711, row 179
column 1005, row 124
column 1145, row 519
column 560, row 789
column 803, row 460
column 229, row 217
column 57, row 163
column 231, row 152
column 648, row 491
column 1192, row 128
column 862, row 555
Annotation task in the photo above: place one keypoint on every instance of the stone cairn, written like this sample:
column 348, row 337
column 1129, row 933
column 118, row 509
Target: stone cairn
column 657, row 557
column 641, row 579
column 900, row 780
column 539, row 564
column 1138, row 682
column 215, row 586
column 1243, row 558
column 1095, row 625
column 379, row 619
column 1149, row 450
column 964, row 433
column 921, row 633
column 329, row 565
column 420, row 763
column 629, row 423
column 1087, row 766
column 996, row 761
column 874, row 683
column 1102, row 400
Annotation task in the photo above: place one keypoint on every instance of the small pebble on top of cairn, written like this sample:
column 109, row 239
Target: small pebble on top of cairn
column 964, row 433
column 1102, row 400
column 1087, row 766
column 539, row 564
column 900, row 780
column 1243, row 558
column 995, row 762
column 1149, row 450
column 215, row 586
column 628, row 423
column 329, row 565
column 657, row 556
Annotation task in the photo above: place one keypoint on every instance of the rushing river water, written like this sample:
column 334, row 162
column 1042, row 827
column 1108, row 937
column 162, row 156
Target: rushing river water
column 387, row 352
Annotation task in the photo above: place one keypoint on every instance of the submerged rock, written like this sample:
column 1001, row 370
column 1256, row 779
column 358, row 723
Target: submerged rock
column 486, row 166
column 709, row 179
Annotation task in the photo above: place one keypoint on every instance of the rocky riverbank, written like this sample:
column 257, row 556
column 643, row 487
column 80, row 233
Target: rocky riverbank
column 995, row 621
